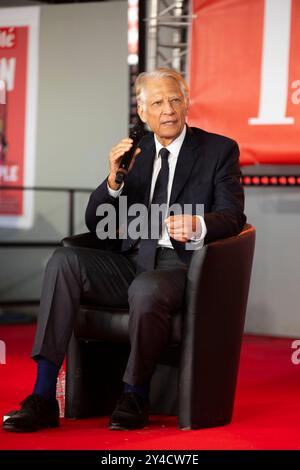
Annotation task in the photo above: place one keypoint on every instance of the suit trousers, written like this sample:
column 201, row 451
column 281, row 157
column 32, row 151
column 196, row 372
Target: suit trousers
column 76, row 275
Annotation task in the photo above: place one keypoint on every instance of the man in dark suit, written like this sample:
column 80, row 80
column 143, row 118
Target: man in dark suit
column 174, row 165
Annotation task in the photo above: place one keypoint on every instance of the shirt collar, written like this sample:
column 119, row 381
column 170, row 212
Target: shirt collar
column 174, row 147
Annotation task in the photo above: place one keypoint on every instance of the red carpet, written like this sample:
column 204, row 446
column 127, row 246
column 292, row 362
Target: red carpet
column 267, row 408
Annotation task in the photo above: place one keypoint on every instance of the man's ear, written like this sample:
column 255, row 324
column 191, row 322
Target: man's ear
column 142, row 113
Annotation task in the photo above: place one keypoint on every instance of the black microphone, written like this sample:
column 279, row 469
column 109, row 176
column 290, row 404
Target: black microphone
column 136, row 134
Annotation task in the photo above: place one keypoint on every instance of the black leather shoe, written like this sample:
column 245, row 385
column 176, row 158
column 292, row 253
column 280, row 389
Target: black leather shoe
column 36, row 413
column 131, row 412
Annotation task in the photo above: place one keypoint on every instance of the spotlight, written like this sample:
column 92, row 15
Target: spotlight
column 291, row 180
column 273, row 180
column 247, row 180
column 264, row 180
column 255, row 180
column 282, row 180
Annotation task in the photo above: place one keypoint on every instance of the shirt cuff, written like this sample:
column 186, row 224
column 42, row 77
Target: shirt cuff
column 115, row 192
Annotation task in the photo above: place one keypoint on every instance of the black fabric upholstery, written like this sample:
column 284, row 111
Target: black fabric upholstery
column 197, row 373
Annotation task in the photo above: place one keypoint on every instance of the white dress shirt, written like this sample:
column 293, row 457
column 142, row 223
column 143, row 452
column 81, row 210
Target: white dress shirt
column 174, row 149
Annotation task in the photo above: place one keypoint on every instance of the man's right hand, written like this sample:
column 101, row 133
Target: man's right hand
column 115, row 157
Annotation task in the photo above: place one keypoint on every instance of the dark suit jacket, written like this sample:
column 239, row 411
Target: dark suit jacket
column 207, row 172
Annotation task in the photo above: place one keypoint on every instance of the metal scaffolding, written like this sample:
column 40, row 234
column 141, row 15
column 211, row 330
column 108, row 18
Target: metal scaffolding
column 167, row 32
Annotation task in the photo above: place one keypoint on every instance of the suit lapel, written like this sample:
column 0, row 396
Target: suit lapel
column 186, row 159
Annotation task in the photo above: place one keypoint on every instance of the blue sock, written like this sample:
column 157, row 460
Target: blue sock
column 141, row 390
column 47, row 373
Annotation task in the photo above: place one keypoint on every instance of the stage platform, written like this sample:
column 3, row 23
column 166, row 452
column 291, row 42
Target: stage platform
column 266, row 416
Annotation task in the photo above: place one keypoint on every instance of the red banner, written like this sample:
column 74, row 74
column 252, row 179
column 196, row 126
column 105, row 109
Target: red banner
column 245, row 76
column 18, row 74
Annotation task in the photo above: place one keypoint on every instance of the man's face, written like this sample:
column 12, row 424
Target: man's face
column 164, row 109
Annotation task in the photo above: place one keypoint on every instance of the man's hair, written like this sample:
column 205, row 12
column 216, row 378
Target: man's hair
column 162, row 72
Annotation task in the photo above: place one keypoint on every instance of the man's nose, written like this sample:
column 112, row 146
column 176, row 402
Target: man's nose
column 168, row 108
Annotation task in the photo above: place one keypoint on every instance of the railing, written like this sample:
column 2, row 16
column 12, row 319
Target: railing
column 71, row 206
column 47, row 243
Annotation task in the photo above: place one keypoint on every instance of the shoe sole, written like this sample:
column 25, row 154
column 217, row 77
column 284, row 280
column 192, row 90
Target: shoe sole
column 122, row 427
column 12, row 428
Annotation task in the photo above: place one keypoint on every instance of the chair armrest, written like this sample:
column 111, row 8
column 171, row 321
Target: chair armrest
column 220, row 256
column 216, row 296
column 85, row 240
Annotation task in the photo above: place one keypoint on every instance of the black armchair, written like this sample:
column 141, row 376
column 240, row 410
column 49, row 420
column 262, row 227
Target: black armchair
column 197, row 373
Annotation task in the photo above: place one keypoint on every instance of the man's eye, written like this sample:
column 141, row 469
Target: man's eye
column 175, row 100
column 156, row 103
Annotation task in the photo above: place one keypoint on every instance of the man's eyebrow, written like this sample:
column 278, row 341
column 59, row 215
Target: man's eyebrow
column 158, row 97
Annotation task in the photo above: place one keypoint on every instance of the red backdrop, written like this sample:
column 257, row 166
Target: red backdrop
column 244, row 76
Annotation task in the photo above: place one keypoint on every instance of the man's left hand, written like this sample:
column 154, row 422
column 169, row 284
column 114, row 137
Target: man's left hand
column 183, row 227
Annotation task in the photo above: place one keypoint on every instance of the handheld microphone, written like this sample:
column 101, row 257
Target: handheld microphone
column 136, row 134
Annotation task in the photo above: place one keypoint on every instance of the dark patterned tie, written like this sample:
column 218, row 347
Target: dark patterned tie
column 147, row 248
